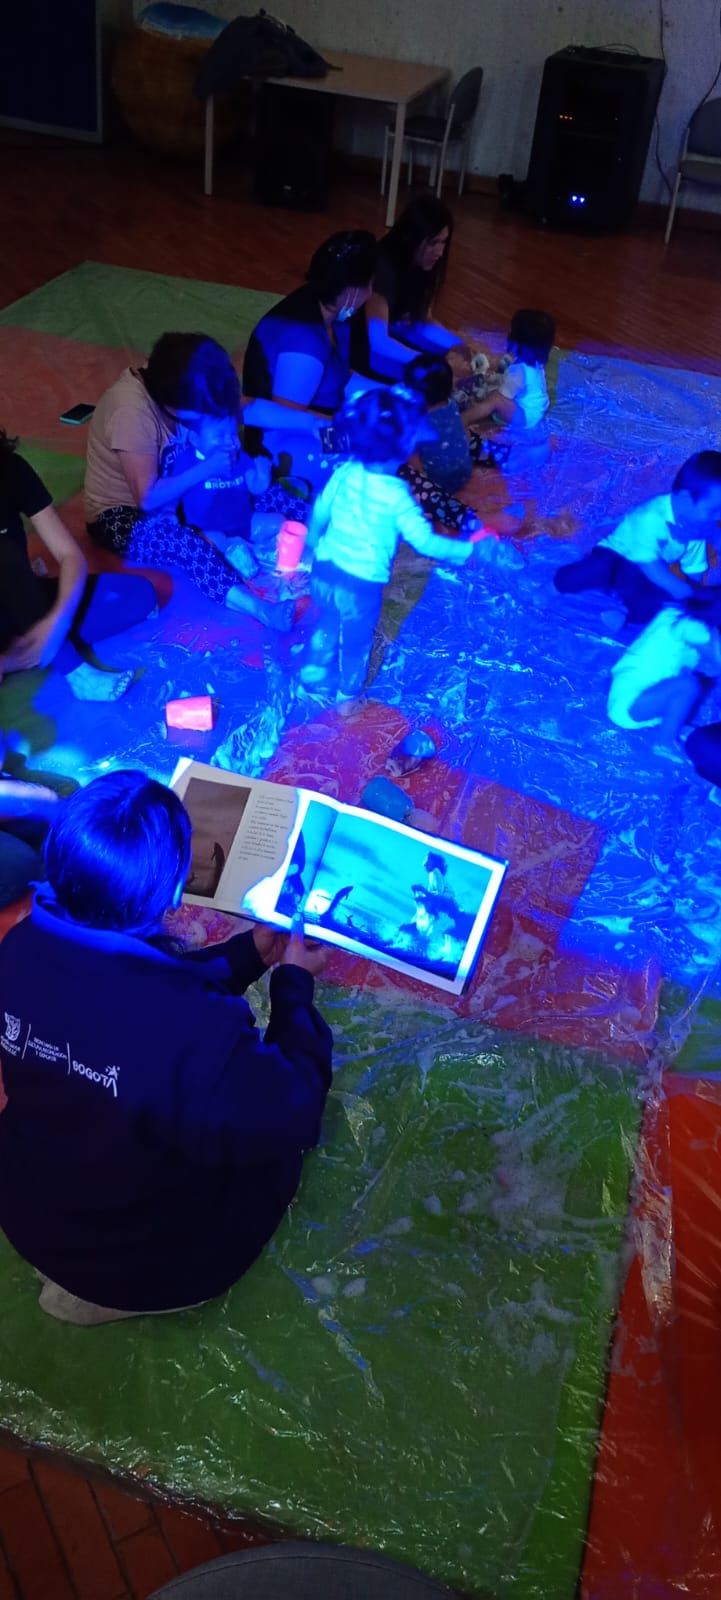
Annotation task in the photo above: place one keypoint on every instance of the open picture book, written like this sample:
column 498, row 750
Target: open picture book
column 369, row 885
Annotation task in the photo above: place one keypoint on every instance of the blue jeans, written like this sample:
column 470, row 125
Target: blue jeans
column 346, row 610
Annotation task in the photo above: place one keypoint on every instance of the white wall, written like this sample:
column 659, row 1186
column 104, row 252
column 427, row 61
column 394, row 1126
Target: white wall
column 511, row 39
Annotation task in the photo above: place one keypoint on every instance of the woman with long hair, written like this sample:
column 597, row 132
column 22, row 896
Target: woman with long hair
column 410, row 272
column 131, row 506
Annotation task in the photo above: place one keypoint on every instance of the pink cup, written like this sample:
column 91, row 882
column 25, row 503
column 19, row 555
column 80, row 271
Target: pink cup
column 291, row 540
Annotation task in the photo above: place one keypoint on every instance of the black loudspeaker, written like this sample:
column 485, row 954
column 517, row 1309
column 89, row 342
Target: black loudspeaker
column 51, row 67
column 293, row 146
column 593, row 127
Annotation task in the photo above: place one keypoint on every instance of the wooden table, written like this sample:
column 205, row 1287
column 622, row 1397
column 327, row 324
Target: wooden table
column 392, row 83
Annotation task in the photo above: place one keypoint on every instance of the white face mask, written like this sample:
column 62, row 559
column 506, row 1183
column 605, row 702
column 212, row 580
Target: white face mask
column 346, row 311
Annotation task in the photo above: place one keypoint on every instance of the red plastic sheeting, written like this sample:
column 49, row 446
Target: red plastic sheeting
column 66, row 373
column 523, row 982
column 655, row 1527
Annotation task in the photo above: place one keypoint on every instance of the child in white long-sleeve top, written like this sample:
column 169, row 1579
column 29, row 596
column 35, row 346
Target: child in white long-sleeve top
column 356, row 526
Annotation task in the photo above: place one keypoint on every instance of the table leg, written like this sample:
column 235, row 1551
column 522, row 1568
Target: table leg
column 398, row 135
column 209, row 142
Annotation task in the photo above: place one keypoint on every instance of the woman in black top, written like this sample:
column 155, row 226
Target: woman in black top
column 409, row 276
column 299, row 355
column 58, row 620
column 300, row 364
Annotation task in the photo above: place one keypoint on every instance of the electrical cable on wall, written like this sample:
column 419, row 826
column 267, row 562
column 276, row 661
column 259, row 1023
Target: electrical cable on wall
column 662, row 41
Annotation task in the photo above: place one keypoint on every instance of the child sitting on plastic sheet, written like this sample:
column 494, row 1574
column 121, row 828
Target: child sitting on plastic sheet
column 356, row 525
column 666, row 674
column 517, row 392
column 635, row 562
column 240, row 512
column 447, row 449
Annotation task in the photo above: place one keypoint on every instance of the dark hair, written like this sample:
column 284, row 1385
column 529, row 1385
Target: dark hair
column 423, row 218
column 432, row 377
column 344, row 261
column 118, row 852
column 699, row 474
column 382, row 424
column 191, row 372
column 532, row 335
column 435, row 862
column 6, row 442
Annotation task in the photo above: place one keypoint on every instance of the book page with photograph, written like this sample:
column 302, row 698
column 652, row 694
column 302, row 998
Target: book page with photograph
column 403, row 898
column 241, row 832
column 374, row 887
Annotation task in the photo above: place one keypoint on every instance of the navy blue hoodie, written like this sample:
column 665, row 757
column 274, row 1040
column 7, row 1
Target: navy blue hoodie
column 152, row 1139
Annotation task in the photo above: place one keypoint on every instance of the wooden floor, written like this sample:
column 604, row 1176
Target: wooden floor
column 62, row 1538
column 62, row 203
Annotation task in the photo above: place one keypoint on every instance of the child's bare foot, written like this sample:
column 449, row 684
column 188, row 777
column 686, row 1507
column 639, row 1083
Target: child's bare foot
column 279, row 615
column 347, row 706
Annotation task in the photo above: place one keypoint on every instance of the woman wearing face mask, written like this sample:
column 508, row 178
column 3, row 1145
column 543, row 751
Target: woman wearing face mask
column 299, row 355
column 410, row 270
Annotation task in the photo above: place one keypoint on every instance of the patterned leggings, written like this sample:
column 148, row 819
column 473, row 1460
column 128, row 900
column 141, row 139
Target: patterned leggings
column 161, row 541
column 440, row 506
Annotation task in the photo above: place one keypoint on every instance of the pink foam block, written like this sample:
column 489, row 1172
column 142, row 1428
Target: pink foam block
column 194, row 712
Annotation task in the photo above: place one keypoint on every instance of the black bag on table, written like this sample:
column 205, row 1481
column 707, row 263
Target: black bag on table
column 257, row 47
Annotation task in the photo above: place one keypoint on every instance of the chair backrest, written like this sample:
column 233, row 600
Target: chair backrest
column 464, row 100
column 704, row 130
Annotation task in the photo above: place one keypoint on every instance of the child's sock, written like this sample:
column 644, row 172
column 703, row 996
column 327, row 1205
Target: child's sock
column 89, row 683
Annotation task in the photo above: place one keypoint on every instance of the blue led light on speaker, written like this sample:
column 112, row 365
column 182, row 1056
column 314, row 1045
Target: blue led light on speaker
column 578, row 199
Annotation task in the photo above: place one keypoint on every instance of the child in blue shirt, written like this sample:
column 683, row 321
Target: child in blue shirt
column 447, row 449
column 224, row 509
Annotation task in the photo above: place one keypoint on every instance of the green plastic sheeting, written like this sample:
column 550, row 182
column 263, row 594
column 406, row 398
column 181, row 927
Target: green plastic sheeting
column 416, row 1364
column 107, row 305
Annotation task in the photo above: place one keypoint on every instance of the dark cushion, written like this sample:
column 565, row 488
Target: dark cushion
column 697, row 170
column 303, row 1572
column 426, row 128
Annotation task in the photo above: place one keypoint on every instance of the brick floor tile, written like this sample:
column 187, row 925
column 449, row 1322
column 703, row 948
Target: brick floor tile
column 81, row 1532
column 191, row 1538
column 147, row 1561
column 14, row 1468
column 30, row 1545
column 124, row 1513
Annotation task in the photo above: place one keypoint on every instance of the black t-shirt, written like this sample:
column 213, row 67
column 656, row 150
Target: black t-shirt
column 23, row 598
column 22, row 493
column 296, row 327
column 405, row 294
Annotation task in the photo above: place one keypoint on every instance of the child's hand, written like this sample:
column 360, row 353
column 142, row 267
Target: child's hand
column 258, row 476
column 221, row 464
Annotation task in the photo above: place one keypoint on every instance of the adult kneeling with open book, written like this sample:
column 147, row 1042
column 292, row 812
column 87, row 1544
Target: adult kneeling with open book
column 152, row 1139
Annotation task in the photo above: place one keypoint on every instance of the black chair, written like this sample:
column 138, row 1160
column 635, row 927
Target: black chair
column 700, row 160
column 436, row 133
column 303, row 1572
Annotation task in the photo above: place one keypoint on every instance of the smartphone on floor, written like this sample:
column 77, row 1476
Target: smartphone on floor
column 77, row 414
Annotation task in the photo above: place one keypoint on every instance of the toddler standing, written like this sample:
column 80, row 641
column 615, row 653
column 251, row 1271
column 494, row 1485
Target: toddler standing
column 355, row 529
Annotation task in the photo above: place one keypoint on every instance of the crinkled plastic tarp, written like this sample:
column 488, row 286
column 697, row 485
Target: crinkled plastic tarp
column 419, row 1362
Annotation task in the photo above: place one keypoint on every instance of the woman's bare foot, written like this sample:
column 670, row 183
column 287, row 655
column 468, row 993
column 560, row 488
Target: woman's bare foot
column 89, row 683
